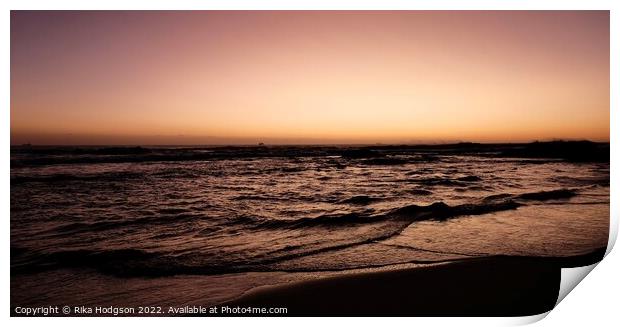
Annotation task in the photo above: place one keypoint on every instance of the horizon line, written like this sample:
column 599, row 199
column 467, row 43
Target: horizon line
column 263, row 144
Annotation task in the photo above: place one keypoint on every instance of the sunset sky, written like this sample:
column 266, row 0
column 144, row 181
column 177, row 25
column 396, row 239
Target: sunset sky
column 308, row 77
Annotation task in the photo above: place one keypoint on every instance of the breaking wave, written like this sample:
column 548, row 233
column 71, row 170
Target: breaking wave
column 136, row 262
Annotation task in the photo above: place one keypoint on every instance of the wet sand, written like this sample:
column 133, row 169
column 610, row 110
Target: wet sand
column 492, row 286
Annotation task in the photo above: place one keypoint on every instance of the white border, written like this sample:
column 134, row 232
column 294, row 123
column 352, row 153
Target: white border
column 594, row 302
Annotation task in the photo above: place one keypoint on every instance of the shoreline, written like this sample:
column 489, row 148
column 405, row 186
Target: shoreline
column 483, row 286
column 490, row 286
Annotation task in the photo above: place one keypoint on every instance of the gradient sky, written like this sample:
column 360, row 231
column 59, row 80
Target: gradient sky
column 308, row 77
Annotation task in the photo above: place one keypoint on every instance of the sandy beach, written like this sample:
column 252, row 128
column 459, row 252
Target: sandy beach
column 494, row 286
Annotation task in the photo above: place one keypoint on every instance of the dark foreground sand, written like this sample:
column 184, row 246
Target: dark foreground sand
column 492, row 286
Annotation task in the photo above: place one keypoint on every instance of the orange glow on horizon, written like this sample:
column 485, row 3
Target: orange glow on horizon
column 308, row 77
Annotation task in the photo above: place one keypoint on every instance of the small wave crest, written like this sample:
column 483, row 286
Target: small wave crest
column 435, row 211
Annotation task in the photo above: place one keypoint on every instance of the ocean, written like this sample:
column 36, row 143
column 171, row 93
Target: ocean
column 203, row 225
